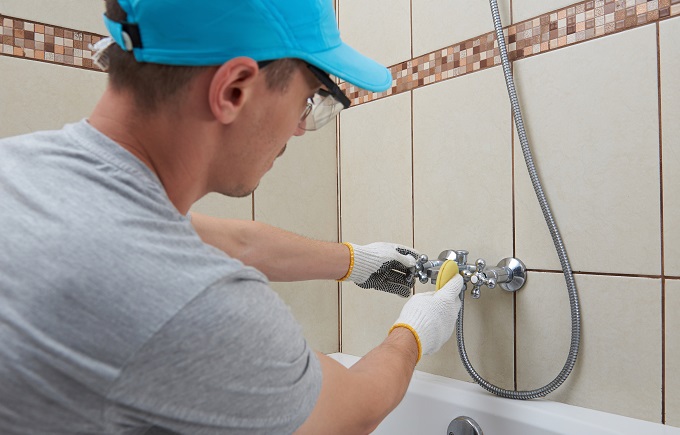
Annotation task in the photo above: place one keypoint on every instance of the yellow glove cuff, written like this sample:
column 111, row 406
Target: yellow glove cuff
column 351, row 262
column 415, row 334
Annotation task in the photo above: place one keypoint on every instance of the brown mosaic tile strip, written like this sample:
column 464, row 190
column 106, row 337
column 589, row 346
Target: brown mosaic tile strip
column 579, row 22
column 46, row 43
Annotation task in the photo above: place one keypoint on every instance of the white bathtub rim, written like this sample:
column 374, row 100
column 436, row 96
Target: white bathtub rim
column 544, row 414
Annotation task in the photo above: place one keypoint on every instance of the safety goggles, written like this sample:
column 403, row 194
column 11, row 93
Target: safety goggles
column 324, row 105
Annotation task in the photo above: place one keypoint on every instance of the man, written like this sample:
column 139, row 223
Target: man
column 116, row 313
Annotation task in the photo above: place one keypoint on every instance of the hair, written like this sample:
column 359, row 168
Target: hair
column 155, row 84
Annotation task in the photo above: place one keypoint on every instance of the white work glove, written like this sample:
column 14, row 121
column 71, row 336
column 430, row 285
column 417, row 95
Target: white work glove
column 431, row 316
column 383, row 266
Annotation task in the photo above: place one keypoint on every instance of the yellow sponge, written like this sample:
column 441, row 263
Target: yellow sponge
column 447, row 271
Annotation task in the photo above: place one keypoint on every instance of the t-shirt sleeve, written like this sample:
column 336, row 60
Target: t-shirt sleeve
column 233, row 361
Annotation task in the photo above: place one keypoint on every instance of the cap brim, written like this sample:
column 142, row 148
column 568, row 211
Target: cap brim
column 348, row 64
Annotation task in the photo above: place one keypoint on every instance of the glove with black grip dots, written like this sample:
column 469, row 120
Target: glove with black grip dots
column 382, row 266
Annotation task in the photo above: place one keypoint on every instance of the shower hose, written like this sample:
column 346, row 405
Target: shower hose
column 557, row 240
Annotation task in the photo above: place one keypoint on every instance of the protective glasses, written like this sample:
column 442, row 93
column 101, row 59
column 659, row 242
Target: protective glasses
column 324, row 105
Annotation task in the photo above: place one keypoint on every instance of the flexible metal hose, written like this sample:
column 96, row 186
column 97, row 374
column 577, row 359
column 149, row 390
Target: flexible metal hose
column 557, row 240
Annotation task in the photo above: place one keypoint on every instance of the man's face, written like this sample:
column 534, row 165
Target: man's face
column 265, row 125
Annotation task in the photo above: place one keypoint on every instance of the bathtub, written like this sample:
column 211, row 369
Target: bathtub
column 431, row 402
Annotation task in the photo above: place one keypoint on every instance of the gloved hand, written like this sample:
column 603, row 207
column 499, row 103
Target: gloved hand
column 431, row 316
column 382, row 266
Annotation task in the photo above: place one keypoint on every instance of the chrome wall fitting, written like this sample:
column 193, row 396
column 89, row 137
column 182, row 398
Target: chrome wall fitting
column 509, row 273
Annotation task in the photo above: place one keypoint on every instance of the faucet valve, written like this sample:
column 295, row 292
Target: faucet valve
column 509, row 274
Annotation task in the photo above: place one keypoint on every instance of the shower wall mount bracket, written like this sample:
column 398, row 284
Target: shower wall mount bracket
column 509, row 274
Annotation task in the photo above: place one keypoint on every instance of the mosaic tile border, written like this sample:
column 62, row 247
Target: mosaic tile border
column 46, row 43
column 582, row 21
column 573, row 24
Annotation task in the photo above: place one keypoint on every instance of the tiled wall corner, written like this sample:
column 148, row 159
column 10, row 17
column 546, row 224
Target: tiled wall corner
column 669, row 43
column 594, row 135
column 463, row 200
column 299, row 194
column 376, row 191
column 618, row 369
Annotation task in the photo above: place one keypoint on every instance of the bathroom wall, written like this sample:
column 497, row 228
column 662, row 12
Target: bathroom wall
column 436, row 162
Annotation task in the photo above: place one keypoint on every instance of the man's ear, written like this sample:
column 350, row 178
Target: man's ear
column 230, row 88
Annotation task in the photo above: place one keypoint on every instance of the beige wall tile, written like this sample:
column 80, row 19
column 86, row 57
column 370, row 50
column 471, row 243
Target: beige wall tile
column 594, row 135
column 375, row 164
column 299, row 194
column 618, row 369
column 315, row 306
column 526, row 9
column 380, row 29
column 488, row 337
column 463, row 167
column 463, row 200
column 74, row 14
column 375, row 153
column 439, row 23
column 367, row 316
column 672, row 352
column 669, row 39
column 40, row 96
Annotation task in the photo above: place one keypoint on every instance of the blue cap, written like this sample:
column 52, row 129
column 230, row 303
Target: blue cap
column 210, row 32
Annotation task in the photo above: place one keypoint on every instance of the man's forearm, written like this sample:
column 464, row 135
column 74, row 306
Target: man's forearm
column 279, row 254
column 357, row 399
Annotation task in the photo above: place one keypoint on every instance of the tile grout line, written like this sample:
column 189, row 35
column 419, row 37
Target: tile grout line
column 661, row 224
column 514, row 235
column 338, row 191
column 413, row 163
column 413, row 183
column 338, row 179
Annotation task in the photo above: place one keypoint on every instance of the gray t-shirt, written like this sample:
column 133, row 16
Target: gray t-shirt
column 116, row 318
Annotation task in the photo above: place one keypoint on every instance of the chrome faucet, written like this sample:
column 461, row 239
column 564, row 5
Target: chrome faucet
column 509, row 274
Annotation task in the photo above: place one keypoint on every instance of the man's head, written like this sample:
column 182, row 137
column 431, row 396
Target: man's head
column 264, row 66
column 154, row 84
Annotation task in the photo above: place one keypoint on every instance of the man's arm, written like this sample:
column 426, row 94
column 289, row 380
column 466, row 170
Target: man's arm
column 357, row 399
column 279, row 254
